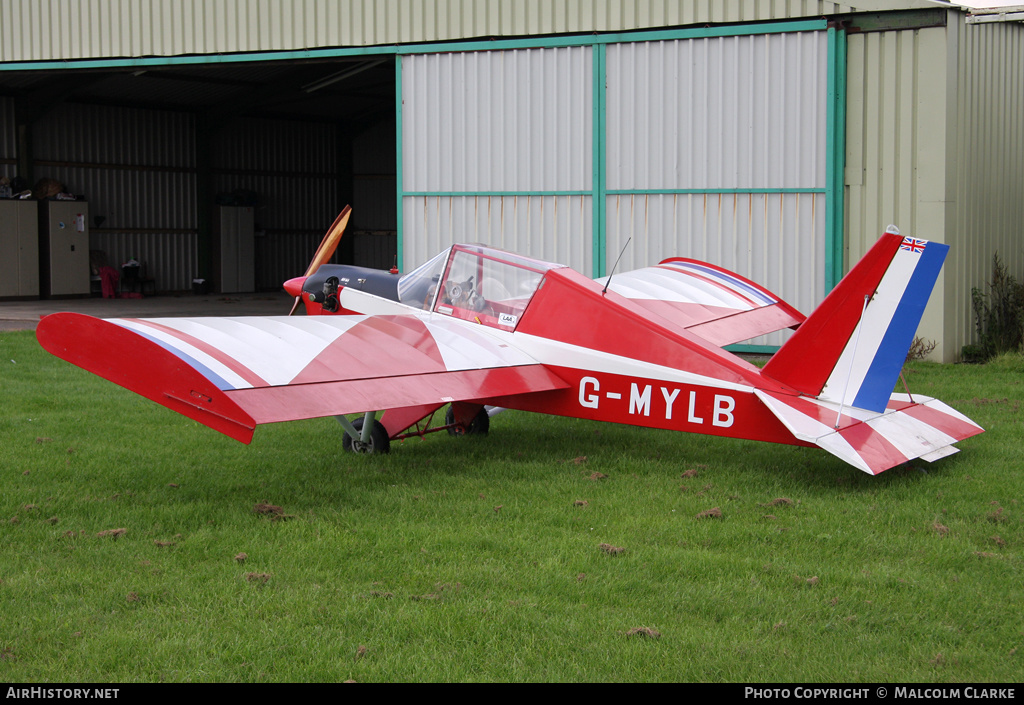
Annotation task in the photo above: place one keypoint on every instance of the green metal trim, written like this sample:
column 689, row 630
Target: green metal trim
column 839, row 174
column 475, row 45
column 192, row 59
column 712, row 31
column 599, row 227
column 702, row 191
column 753, row 349
column 400, row 219
column 835, row 158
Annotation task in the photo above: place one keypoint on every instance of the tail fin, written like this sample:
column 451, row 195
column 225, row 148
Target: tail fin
column 852, row 347
column 848, row 354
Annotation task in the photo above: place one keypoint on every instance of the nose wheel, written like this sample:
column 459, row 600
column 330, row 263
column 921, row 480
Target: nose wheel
column 480, row 424
column 360, row 438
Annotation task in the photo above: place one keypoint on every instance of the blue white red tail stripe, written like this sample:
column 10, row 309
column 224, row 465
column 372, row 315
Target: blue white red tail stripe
column 870, row 363
column 892, row 351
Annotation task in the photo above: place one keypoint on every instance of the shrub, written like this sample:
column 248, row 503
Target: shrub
column 920, row 349
column 998, row 316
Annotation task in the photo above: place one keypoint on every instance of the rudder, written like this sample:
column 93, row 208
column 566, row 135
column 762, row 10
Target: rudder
column 852, row 347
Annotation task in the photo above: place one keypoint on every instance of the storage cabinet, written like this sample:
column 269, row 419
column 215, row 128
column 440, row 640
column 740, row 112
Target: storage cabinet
column 19, row 249
column 234, row 249
column 63, row 248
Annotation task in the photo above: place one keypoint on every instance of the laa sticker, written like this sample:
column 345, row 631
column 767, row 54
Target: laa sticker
column 507, row 319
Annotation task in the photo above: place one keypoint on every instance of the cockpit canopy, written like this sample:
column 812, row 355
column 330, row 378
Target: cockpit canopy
column 476, row 283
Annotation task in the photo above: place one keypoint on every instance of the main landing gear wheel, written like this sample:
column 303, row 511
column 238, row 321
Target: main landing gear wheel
column 480, row 424
column 378, row 442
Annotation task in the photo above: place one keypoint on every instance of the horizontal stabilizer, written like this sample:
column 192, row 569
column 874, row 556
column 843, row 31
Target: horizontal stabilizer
column 713, row 303
column 909, row 427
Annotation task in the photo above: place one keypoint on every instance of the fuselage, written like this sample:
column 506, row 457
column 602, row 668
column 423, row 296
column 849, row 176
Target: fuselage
column 621, row 364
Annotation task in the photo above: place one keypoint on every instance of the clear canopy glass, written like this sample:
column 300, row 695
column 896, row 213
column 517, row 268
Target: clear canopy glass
column 475, row 282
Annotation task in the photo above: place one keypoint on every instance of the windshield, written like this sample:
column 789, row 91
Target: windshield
column 476, row 283
column 417, row 287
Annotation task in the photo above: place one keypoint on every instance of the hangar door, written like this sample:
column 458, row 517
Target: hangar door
column 711, row 147
column 497, row 147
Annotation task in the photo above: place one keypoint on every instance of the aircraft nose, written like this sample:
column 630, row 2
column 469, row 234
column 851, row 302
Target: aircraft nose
column 294, row 286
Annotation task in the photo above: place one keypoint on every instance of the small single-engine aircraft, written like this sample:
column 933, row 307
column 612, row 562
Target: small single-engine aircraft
column 476, row 328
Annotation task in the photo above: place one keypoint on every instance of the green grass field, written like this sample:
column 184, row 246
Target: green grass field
column 123, row 528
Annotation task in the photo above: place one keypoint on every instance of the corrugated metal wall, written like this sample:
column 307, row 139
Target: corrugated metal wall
column 714, row 148
column 897, row 153
column 8, row 138
column 136, row 168
column 290, row 165
column 477, row 127
column 374, row 185
column 896, row 135
column 721, row 116
column 38, row 30
column 718, row 112
column 935, row 144
column 552, row 228
column 986, row 180
column 290, row 168
column 374, row 179
column 777, row 240
column 497, row 120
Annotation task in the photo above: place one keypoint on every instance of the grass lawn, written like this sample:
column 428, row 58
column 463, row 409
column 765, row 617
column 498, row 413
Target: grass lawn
column 551, row 550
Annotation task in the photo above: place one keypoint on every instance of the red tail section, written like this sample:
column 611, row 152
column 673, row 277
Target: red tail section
column 808, row 357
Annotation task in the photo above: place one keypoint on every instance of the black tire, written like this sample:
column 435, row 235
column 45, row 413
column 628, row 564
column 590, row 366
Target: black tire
column 377, row 443
column 479, row 426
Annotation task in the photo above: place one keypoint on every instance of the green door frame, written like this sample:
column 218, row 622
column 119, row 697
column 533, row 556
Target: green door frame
column 835, row 127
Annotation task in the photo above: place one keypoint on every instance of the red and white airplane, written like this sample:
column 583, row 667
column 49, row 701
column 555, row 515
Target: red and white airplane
column 477, row 327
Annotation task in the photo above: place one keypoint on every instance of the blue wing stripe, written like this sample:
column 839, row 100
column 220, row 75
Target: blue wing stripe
column 217, row 380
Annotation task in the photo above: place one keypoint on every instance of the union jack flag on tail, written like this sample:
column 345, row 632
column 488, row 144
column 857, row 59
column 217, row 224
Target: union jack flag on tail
column 912, row 245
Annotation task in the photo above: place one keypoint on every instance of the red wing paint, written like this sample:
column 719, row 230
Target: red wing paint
column 145, row 367
column 234, row 373
column 713, row 303
column 292, row 402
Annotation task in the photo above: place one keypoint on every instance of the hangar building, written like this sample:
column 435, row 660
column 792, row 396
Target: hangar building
column 218, row 139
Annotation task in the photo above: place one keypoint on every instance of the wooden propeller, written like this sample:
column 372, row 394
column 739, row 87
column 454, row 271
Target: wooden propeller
column 327, row 247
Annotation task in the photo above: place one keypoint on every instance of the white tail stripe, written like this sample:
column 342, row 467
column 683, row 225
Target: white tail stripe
column 856, row 359
column 911, row 437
